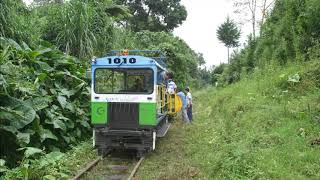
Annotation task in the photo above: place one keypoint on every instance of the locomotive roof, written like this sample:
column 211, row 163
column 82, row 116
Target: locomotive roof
column 129, row 61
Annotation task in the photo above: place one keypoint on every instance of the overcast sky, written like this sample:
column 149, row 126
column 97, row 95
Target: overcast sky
column 199, row 30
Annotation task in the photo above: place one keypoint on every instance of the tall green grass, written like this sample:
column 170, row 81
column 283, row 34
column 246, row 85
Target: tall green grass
column 264, row 127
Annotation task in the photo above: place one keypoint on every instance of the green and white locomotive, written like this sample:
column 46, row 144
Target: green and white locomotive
column 129, row 103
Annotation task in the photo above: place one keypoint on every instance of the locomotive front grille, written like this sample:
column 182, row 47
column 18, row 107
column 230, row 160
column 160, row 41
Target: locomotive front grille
column 123, row 115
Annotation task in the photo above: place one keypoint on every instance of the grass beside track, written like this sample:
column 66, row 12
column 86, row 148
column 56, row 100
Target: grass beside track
column 55, row 165
column 264, row 127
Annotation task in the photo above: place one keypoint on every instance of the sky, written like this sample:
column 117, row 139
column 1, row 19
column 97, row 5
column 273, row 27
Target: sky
column 199, row 29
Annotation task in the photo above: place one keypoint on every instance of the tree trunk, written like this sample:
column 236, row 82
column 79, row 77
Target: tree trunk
column 264, row 11
column 228, row 56
column 254, row 8
column 254, row 27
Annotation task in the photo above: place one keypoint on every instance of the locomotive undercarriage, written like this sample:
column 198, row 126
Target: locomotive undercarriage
column 143, row 140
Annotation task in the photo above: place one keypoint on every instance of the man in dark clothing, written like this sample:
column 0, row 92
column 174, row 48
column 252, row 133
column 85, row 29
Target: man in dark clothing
column 189, row 103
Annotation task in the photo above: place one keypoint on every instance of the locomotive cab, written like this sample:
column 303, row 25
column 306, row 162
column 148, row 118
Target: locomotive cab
column 129, row 103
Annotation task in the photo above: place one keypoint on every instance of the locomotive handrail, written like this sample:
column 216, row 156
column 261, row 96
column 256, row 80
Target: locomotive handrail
column 113, row 52
column 161, row 59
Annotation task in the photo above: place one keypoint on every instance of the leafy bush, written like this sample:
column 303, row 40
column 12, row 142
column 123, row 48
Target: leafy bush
column 43, row 99
column 54, row 165
column 180, row 58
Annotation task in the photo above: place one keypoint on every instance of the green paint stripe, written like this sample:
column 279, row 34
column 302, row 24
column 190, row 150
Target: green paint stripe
column 99, row 112
column 147, row 114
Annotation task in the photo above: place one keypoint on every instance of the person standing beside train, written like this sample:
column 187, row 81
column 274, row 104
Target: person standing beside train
column 171, row 85
column 189, row 103
column 184, row 105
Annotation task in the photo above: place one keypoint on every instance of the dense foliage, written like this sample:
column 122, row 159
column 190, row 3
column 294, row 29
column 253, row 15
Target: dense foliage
column 182, row 60
column 43, row 99
column 44, row 57
column 290, row 34
column 155, row 15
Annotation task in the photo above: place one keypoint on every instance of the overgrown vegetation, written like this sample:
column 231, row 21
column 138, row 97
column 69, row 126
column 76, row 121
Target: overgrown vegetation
column 43, row 100
column 45, row 50
column 54, row 165
column 264, row 127
column 290, row 34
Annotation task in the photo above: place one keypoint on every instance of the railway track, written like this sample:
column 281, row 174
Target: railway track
column 110, row 167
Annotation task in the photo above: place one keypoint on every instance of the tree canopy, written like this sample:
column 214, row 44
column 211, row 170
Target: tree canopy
column 229, row 34
column 154, row 15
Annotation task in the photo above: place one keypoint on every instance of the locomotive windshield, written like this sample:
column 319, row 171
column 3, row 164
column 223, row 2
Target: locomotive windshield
column 123, row 81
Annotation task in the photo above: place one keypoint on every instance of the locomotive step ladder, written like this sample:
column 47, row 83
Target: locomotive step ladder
column 164, row 129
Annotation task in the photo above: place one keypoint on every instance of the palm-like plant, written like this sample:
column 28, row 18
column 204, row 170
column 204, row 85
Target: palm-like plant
column 76, row 37
column 86, row 28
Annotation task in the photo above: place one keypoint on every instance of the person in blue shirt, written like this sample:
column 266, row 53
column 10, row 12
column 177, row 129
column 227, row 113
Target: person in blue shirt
column 184, row 105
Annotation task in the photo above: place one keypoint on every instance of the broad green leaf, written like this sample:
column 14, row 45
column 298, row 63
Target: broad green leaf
column 49, row 114
column 58, row 124
column 3, row 168
column 78, row 87
column 78, row 132
column 25, row 46
column 85, row 124
column 61, row 73
column 70, row 107
column 36, row 127
column 66, row 138
column 45, row 66
column 18, row 117
column 30, row 151
column 80, row 111
column 53, row 91
column 49, row 177
column 54, row 156
column 39, row 103
column 2, row 162
column 37, row 53
column 14, row 44
column 17, row 111
column 30, row 90
column 72, row 139
column 42, row 76
column 47, row 134
column 63, row 101
column 66, row 92
column 23, row 138
column 31, row 131
column 48, row 121
column 43, row 51
column 69, row 124
column 10, row 129
column 29, row 114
